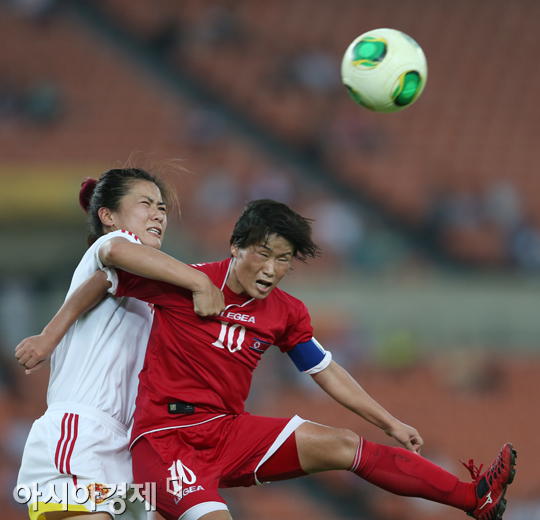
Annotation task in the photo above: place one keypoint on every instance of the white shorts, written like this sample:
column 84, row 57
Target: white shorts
column 77, row 457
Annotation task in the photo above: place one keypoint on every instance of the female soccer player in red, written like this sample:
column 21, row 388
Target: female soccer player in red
column 191, row 434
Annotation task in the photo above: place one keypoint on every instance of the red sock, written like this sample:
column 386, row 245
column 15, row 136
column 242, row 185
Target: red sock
column 405, row 473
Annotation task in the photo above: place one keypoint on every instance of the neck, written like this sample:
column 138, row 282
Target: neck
column 232, row 280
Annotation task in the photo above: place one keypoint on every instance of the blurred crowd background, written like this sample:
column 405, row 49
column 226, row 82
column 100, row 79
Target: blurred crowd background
column 429, row 220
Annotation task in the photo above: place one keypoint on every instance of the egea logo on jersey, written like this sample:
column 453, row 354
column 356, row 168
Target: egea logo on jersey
column 180, row 476
column 240, row 317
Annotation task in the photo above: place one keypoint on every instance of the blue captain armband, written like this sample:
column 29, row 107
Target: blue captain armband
column 310, row 357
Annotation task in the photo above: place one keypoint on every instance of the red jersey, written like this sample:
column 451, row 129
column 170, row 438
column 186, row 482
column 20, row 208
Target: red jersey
column 206, row 362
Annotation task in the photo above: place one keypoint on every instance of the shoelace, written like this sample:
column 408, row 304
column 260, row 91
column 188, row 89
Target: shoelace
column 473, row 470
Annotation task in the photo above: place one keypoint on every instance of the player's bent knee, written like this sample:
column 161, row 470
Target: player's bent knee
column 347, row 444
column 321, row 448
column 350, row 440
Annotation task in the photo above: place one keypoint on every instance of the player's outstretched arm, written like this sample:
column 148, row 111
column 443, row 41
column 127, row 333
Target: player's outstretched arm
column 342, row 387
column 32, row 352
column 145, row 261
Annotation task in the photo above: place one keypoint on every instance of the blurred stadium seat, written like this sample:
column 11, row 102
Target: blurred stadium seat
column 476, row 118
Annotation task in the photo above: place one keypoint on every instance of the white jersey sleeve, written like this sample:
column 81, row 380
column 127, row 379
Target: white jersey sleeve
column 98, row 361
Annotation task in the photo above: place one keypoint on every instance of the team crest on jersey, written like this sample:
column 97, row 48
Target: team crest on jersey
column 98, row 493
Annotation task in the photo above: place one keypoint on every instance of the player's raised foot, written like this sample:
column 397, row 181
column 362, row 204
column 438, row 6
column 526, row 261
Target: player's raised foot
column 491, row 485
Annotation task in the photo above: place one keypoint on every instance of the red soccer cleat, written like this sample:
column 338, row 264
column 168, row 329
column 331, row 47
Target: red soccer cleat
column 491, row 485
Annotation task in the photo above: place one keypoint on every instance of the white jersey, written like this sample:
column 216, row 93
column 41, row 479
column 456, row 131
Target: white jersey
column 97, row 364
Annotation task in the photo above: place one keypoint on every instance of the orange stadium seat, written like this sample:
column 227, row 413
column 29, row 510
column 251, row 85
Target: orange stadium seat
column 471, row 118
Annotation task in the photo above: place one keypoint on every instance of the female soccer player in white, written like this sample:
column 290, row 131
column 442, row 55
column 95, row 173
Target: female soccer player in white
column 79, row 446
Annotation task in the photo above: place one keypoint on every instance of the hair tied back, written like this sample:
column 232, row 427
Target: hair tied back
column 85, row 195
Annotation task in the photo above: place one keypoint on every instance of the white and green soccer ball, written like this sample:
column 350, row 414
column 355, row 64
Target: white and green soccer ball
column 384, row 70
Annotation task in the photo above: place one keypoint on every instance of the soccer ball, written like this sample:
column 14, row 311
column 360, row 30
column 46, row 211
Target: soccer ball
column 384, row 70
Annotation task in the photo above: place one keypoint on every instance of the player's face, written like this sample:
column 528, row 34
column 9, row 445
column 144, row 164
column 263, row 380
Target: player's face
column 256, row 270
column 142, row 212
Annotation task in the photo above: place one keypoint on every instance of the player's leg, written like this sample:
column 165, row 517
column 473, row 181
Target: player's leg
column 397, row 470
column 406, row 473
column 321, row 448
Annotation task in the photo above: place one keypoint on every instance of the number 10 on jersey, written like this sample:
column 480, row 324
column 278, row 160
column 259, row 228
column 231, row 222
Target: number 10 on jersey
column 227, row 333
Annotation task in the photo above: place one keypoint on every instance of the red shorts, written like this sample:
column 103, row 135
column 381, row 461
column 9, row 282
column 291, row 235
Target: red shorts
column 189, row 464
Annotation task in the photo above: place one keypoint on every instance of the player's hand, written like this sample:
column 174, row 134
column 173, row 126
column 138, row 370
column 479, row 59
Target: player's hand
column 405, row 435
column 32, row 352
column 209, row 301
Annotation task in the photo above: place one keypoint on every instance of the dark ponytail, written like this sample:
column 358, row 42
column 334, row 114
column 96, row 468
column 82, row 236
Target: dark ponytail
column 85, row 195
column 110, row 189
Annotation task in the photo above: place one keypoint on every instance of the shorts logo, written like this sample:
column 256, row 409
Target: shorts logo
column 181, row 475
column 98, row 493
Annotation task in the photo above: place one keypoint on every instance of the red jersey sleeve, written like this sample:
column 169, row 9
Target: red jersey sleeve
column 152, row 291
column 298, row 329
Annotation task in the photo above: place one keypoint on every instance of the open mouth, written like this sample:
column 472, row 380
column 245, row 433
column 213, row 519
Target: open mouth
column 263, row 285
column 155, row 231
